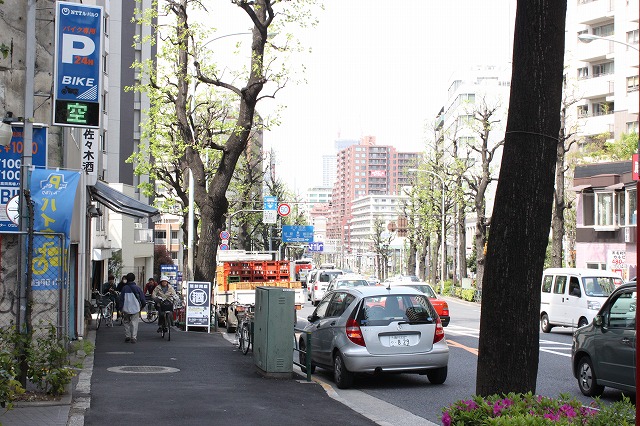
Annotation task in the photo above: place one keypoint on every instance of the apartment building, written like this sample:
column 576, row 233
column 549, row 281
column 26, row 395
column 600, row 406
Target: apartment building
column 602, row 78
column 365, row 169
column 602, row 73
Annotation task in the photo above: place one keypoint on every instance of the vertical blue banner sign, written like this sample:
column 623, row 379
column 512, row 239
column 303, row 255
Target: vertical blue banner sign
column 53, row 194
column 10, row 161
column 77, row 91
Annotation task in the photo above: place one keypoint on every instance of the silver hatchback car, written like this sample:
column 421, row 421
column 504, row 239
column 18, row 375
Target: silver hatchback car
column 375, row 329
column 603, row 352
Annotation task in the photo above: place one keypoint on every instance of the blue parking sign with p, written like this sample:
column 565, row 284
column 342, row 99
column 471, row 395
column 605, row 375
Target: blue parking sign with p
column 78, row 65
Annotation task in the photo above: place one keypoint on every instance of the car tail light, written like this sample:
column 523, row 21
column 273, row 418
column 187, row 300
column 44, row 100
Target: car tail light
column 315, row 287
column 355, row 334
column 445, row 310
column 439, row 334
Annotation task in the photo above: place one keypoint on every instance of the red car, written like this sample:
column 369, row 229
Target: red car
column 441, row 306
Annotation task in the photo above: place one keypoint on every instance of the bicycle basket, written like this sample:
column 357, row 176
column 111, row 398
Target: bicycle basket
column 102, row 301
column 166, row 305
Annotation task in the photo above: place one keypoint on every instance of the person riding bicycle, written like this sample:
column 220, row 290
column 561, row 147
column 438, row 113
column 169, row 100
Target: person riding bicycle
column 163, row 292
column 149, row 287
column 109, row 290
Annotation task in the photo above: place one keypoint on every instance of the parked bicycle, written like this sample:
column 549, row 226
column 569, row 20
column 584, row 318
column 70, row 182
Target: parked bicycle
column 150, row 314
column 244, row 331
column 105, row 309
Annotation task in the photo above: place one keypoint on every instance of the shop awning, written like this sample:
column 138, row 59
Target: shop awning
column 120, row 203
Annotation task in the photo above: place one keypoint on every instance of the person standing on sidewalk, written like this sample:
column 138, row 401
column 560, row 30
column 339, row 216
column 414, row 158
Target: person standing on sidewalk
column 130, row 303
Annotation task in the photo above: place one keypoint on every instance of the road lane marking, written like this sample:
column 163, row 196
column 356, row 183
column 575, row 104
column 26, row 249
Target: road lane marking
column 461, row 346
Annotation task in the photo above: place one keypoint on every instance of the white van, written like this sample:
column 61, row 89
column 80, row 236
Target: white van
column 319, row 283
column 571, row 297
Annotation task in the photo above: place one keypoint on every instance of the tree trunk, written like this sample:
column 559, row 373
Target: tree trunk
column 557, row 220
column 462, row 246
column 508, row 347
column 411, row 258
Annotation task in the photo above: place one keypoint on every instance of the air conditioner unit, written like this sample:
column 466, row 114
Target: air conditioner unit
column 137, row 226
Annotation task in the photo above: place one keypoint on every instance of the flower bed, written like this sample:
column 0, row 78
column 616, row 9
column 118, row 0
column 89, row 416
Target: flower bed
column 529, row 409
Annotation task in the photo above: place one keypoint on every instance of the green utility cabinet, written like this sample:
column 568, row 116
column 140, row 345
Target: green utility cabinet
column 273, row 331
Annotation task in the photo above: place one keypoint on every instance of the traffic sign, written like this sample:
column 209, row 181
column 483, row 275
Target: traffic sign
column 297, row 234
column 224, row 235
column 269, row 216
column 224, row 246
column 316, row 246
column 270, row 202
column 284, row 209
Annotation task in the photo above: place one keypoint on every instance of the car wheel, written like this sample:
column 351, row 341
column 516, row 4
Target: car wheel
column 437, row 376
column 302, row 357
column 587, row 378
column 544, row 323
column 342, row 376
column 583, row 321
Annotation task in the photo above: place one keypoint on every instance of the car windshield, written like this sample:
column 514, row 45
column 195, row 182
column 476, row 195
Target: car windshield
column 382, row 310
column 326, row 277
column 425, row 288
column 599, row 286
column 350, row 283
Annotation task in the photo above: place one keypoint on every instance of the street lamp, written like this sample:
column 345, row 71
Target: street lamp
column 588, row 38
column 442, row 230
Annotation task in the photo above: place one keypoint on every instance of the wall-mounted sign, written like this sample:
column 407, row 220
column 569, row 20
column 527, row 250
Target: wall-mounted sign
column 77, row 81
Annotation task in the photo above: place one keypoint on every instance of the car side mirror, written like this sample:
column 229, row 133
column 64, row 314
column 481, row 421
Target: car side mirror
column 597, row 321
column 312, row 317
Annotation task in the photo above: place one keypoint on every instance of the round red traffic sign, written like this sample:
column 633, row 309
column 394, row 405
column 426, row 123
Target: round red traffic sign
column 284, row 209
column 224, row 235
column 224, row 246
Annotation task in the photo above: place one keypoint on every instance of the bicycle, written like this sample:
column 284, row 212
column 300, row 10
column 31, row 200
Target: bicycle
column 105, row 310
column 244, row 334
column 151, row 313
column 166, row 309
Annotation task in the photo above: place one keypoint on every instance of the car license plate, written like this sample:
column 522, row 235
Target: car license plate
column 398, row 340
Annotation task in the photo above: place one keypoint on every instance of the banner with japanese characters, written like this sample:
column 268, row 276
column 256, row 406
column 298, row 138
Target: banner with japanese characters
column 53, row 194
column 198, row 304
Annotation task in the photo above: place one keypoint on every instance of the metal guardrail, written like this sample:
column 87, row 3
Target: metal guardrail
column 306, row 352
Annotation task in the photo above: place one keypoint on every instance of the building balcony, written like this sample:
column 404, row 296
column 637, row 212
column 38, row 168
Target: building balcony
column 596, row 125
column 590, row 12
column 594, row 51
column 597, row 87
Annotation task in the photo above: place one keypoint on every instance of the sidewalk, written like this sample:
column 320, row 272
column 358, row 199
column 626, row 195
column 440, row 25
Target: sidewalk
column 196, row 378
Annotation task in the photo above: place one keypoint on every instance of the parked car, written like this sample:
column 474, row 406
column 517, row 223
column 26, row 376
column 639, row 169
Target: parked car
column 441, row 305
column 411, row 278
column 347, row 281
column 571, row 297
column 603, row 352
column 320, row 282
column 375, row 329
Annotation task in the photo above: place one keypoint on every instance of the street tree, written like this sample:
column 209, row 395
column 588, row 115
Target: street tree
column 202, row 114
column 381, row 240
column 521, row 220
column 478, row 176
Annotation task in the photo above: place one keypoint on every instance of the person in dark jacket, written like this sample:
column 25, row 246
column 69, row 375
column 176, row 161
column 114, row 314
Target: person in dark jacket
column 130, row 303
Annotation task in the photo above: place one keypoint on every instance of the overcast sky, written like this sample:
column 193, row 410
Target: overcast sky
column 381, row 68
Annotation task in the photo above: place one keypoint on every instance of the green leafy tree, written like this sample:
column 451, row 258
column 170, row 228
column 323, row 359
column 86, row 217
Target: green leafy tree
column 202, row 116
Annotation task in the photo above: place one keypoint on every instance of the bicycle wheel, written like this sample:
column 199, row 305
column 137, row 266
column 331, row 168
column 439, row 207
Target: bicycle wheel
column 109, row 315
column 99, row 318
column 150, row 317
column 168, row 324
column 245, row 338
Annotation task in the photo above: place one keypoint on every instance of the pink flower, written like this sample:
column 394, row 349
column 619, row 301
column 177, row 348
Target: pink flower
column 446, row 419
column 471, row 405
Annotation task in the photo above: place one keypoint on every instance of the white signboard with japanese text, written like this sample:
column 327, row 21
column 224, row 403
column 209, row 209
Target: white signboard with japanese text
column 198, row 304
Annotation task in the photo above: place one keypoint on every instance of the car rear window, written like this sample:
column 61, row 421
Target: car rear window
column 382, row 310
column 426, row 289
column 325, row 277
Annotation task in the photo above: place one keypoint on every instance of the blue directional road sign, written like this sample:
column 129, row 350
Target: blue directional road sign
column 297, row 234
column 270, row 202
column 316, row 246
